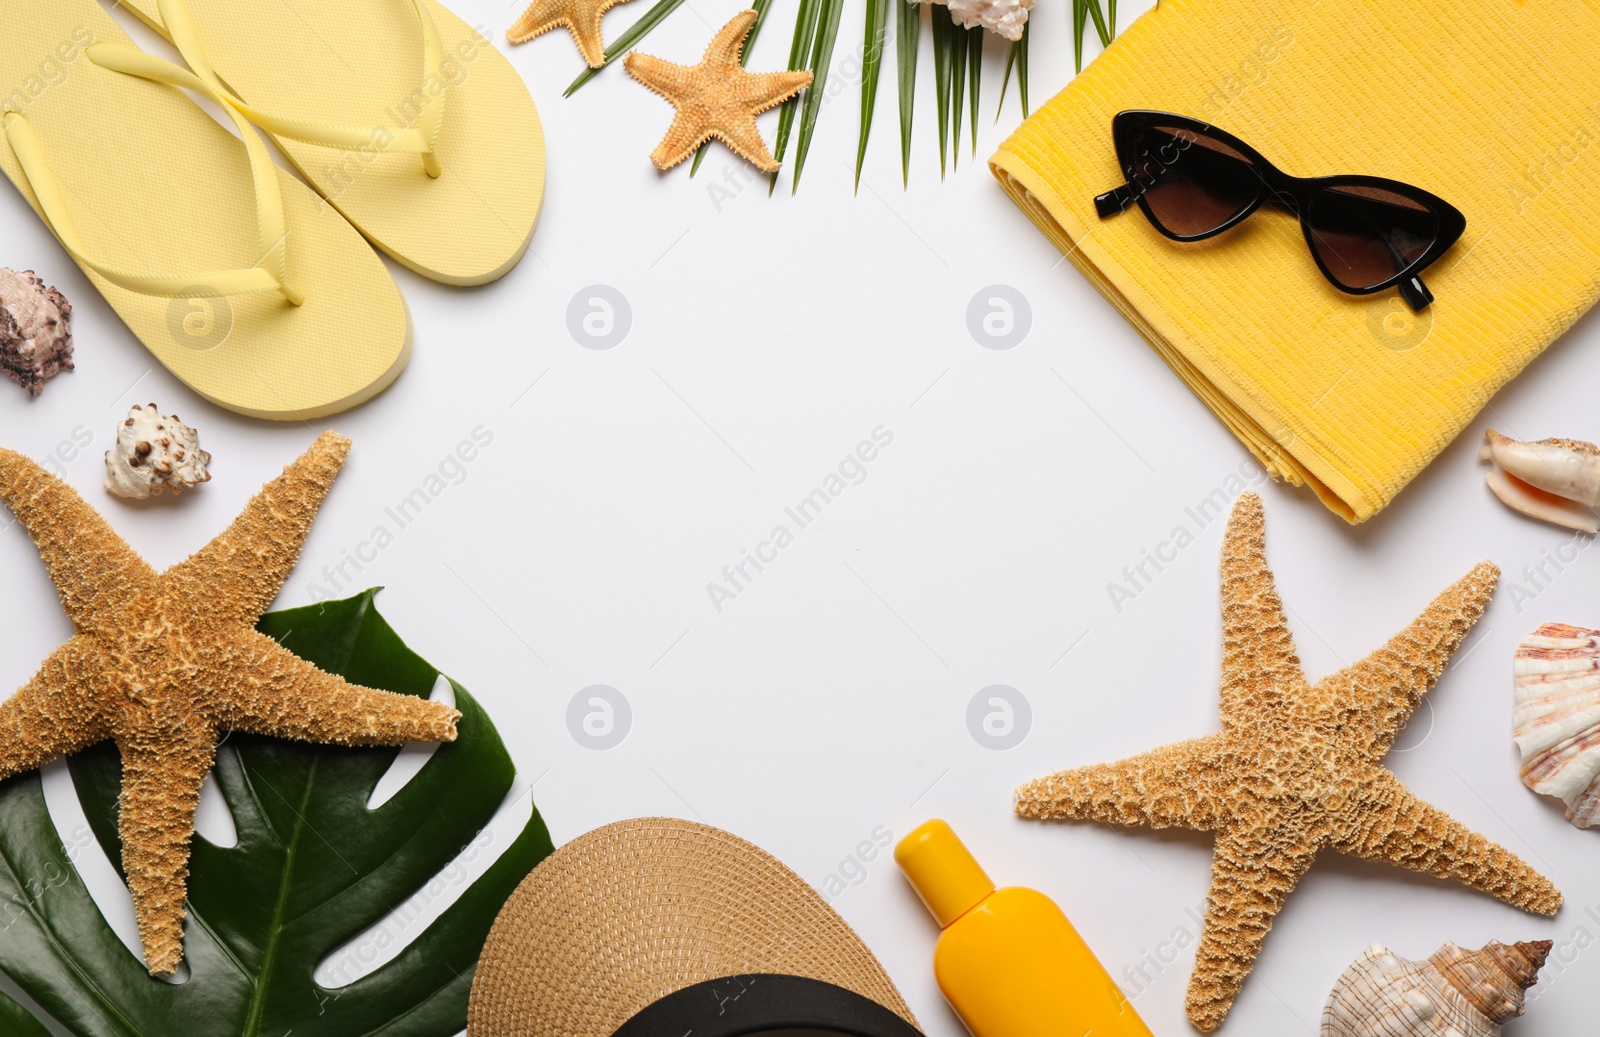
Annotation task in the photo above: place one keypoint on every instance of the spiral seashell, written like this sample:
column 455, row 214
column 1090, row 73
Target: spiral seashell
column 1454, row 993
column 1556, row 720
column 35, row 330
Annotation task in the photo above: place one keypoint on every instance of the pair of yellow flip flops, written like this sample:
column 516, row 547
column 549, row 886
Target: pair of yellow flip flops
column 256, row 292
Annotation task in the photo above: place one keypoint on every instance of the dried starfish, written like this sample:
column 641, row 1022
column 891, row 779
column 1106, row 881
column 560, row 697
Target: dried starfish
column 163, row 663
column 1296, row 768
column 716, row 98
column 582, row 17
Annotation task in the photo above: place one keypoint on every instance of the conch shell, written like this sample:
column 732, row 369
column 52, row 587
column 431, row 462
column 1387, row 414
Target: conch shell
column 1556, row 720
column 1454, row 993
column 1556, row 480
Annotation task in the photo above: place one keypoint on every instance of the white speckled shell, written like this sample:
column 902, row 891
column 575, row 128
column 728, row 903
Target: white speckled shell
column 155, row 452
column 1454, row 993
column 1556, row 720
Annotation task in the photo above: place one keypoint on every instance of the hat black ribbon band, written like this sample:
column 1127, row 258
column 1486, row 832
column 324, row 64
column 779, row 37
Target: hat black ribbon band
column 737, row 1006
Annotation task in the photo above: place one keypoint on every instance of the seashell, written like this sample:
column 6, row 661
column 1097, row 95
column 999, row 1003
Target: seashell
column 35, row 330
column 1002, row 17
column 1556, row 480
column 1556, row 720
column 155, row 451
column 1454, row 993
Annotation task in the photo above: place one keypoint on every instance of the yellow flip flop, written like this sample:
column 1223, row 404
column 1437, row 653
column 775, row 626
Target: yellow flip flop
column 242, row 282
column 405, row 118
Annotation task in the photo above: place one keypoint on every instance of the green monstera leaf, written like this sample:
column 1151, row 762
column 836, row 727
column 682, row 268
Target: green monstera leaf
column 313, row 869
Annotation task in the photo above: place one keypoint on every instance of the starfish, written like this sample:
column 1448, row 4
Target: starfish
column 163, row 663
column 1295, row 769
column 582, row 17
column 716, row 98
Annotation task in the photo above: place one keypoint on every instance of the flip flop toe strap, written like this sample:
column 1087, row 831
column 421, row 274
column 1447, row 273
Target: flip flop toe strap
column 270, row 274
column 420, row 139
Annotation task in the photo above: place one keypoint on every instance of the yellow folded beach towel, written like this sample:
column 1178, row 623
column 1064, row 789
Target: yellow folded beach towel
column 1491, row 104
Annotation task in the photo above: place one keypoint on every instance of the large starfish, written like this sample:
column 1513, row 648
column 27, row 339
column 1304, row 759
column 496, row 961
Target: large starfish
column 582, row 17
column 716, row 98
column 1295, row 769
column 163, row 663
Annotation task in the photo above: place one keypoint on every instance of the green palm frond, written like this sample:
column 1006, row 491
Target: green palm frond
column 1017, row 58
column 975, row 37
column 1082, row 12
column 958, row 89
column 805, row 33
column 874, row 39
column 1022, row 68
column 811, row 102
column 943, row 57
column 908, row 35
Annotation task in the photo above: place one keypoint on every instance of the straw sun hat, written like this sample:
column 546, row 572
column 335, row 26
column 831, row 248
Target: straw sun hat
column 665, row 927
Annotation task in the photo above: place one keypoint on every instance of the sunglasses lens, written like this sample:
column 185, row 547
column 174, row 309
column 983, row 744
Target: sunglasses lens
column 1193, row 183
column 1366, row 235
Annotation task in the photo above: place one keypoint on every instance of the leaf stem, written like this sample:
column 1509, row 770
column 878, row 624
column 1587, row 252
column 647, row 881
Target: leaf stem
column 635, row 32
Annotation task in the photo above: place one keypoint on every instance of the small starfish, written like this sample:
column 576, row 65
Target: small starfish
column 163, row 663
column 582, row 17
column 716, row 98
column 1295, row 769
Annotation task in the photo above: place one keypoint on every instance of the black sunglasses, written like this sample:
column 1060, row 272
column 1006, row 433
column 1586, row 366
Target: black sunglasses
column 1193, row 181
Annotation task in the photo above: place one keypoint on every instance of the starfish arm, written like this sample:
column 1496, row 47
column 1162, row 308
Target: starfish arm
column 661, row 76
column 237, row 576
column 765, row 90
column 540, row 17
column 161, row 777
column 94, row 571
column 56, row 713
column 1259, row 664
column 265, row 689
column 683, row 137
column 1252, row 874
column 725, row 47
column 744, row 140
column 1378, row 694
column 1174, row 786
column 1398, row 828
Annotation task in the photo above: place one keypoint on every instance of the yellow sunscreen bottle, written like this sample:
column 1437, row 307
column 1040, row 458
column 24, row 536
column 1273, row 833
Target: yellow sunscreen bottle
column 1008, row 961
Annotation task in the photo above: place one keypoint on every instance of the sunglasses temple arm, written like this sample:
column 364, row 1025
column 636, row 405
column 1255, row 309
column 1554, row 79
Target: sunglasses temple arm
column 1415, row 293
column 1113, row 202
column 1412, row 290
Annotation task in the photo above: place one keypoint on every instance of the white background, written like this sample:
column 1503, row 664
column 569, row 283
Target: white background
column 830, row 697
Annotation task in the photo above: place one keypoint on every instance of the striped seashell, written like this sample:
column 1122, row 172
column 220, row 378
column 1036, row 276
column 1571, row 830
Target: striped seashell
column 1454, row 993
column 1556, row 721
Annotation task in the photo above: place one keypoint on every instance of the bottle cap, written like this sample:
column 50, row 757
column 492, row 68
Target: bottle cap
column 945, row 875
